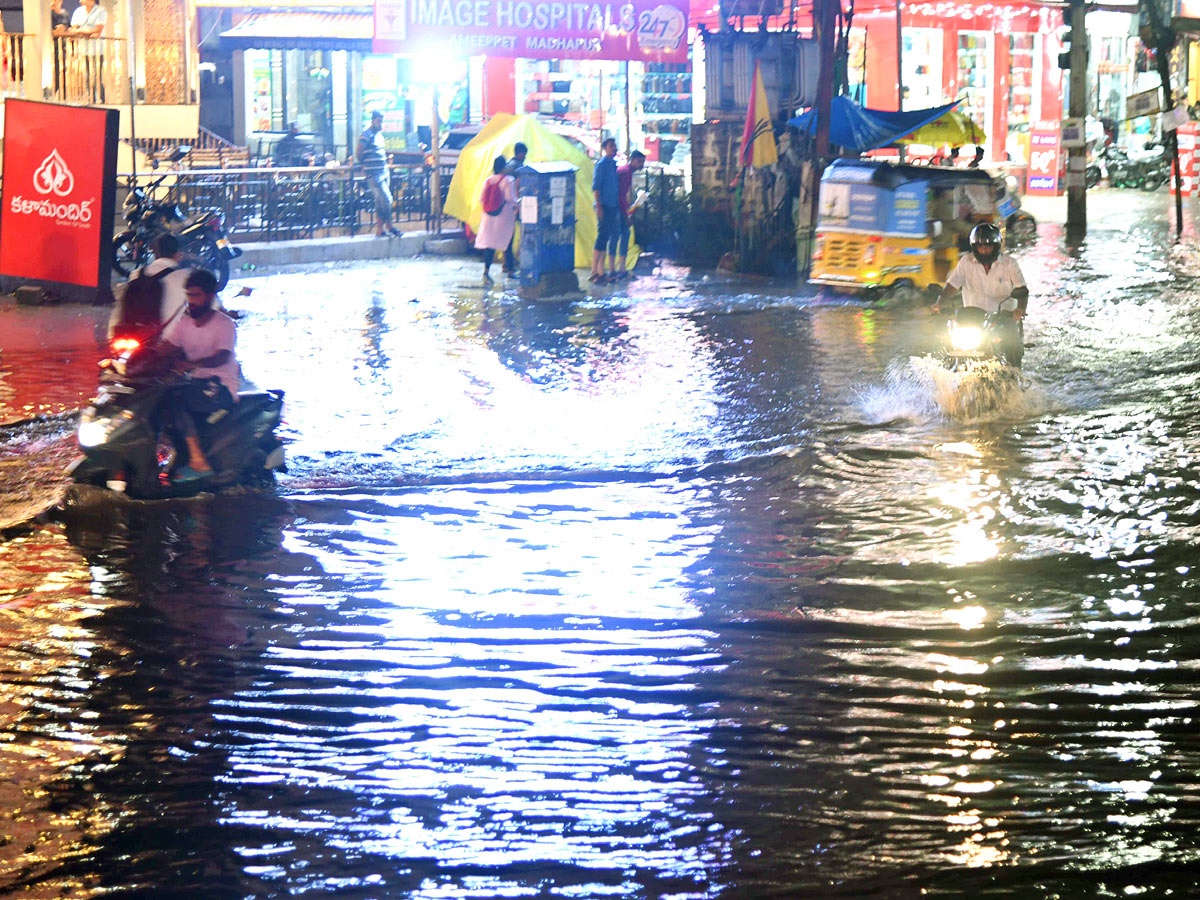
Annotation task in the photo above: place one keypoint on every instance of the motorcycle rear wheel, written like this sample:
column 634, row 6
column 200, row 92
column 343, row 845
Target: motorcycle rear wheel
column 129, row 253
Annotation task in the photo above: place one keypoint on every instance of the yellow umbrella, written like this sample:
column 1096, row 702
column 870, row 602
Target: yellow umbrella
column 497, row 138
column 953, row 128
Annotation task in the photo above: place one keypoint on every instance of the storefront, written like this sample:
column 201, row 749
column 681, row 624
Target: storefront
column 315, row 68
column 999, row 60
column 619, row 70
column 645, row 106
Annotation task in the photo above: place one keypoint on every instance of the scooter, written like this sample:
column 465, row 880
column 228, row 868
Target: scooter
column 118, row 433
column 974, row 335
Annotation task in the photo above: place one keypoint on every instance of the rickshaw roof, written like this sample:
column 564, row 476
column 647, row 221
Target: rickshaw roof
column 891, row 175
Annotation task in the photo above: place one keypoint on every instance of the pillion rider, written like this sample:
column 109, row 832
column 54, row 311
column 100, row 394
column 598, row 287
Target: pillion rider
column 992, row 281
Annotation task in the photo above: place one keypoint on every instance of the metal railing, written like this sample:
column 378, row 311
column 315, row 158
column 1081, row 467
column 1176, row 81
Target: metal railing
column 12, row 65
column 89, row 71
column 289, row 204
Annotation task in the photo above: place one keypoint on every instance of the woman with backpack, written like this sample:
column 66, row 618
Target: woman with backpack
column 499, row 202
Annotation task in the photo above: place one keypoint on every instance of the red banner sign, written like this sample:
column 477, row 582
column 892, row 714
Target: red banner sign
column 59, row 182
column 1044, row 141
column 646, row 30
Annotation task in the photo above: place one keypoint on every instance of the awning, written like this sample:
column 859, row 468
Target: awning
column 859, row 129
column 301, row 31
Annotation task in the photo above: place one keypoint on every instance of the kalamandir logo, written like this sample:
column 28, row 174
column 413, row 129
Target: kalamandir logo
column 54, row 176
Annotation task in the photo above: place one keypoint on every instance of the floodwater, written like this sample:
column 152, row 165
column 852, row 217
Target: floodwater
column 688, row 589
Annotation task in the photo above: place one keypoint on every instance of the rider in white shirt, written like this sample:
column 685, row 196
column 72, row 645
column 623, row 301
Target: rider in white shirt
column 987, row 278
column 992, row 281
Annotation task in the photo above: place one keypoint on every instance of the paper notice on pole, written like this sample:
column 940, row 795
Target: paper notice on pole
column 1073, row 133
column 1076, row 180
column 529, row 211
column 558, row 187
column 557, row 206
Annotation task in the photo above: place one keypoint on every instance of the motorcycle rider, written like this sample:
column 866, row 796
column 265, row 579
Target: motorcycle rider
column 166, row 266
column 202, row 340
column 988, row 279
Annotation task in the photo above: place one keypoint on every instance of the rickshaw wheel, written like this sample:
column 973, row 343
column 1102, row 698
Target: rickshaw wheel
column 903, row 292
column 1022, row 226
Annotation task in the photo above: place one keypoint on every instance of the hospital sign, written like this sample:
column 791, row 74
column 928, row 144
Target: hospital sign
column 645, row 30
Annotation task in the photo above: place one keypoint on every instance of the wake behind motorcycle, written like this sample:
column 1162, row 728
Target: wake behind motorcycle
column 202, row 240
column 118, row 433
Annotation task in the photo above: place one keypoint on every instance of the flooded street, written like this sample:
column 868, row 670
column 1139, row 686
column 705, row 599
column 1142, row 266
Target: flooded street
column 690, row 589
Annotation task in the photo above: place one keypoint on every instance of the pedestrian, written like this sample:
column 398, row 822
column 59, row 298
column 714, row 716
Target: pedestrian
column 520, row 151
column 608, row 213
column 618, row 260
column 203, row 341
column 499, row 219
column 88, row 22
column 373, row 160
column 974, row 164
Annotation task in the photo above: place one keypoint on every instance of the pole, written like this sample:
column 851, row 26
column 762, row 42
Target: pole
column 132, row 94
column 435, row 178
column 1077, row 156
column 628, row 126
column 899, row 67
column 824, row 21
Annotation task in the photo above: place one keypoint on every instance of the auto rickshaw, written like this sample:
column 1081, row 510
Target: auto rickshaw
column 898, row 229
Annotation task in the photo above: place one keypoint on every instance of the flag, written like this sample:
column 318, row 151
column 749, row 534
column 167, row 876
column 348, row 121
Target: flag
column 758, row 138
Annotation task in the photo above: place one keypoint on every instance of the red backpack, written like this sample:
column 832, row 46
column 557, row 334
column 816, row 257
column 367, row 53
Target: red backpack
column 493, row 196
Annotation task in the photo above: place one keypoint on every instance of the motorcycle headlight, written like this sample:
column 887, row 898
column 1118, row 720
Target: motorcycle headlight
column 94, row 432
column 966, row 337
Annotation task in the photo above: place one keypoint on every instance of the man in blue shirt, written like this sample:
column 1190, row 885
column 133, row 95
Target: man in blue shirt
column 608, row 212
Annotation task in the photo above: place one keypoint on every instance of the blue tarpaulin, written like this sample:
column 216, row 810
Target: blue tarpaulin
column 859, row 129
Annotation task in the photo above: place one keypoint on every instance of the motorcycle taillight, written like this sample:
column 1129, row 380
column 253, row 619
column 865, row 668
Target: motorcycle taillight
column 122, row 346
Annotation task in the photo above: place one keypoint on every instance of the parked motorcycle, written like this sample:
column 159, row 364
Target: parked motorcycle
column 1147, row 169
column 118, row 434
column 202, row 241
column 1018, row 224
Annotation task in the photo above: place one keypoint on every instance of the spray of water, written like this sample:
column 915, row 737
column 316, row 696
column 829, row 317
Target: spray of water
column 923, row 389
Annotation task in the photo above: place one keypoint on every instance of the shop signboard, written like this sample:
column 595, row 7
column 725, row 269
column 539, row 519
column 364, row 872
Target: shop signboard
column 1044, row 147
column 643, row 30
column 58, row 191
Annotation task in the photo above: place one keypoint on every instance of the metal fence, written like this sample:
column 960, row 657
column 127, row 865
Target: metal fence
column 289, row 204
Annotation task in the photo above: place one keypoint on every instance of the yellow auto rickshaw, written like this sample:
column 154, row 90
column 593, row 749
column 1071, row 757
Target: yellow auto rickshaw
column 896, row 228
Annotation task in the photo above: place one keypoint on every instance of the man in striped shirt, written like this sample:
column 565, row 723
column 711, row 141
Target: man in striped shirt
column 374, row 165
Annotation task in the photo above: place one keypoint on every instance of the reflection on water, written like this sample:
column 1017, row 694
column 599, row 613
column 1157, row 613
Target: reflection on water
column 677, row 592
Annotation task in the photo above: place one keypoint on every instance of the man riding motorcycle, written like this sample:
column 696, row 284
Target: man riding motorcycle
column 202, row 341
column 989, row 279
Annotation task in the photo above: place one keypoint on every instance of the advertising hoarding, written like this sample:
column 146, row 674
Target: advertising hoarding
column 645, row 30
column 1044, row 148
column 60, row 169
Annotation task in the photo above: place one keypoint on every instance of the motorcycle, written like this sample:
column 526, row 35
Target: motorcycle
column 974, row 335
column 1147, row 169
column 119, row 439
column 202, row 241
